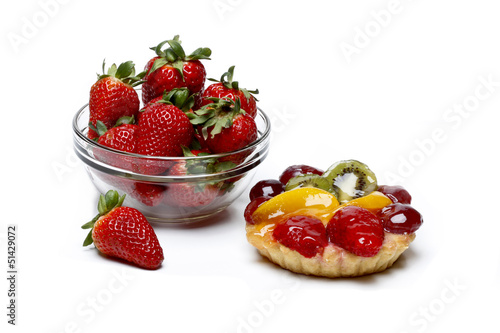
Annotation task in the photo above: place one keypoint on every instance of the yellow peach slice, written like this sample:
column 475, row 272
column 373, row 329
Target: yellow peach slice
column 305, row 200
column 373, row 202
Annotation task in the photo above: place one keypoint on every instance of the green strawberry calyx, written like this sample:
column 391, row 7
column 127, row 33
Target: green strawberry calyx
column 219, row 115
column 125, row 72
column 227, row 81
column 175, row 55
column 206, row 165
column 179, row 97
column 107, row 203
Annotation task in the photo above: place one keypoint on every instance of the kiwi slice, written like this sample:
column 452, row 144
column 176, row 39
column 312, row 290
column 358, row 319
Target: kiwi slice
column 310, row 180
column 350, row 179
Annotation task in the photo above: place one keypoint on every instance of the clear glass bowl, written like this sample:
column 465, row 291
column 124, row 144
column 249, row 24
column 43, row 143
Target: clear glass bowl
column 166, row 198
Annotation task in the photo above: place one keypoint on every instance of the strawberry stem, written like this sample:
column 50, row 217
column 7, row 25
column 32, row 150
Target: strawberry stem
column 125, row 72
column 219, row 115
column 179, row 97
column 227, row 80
column 176, row 56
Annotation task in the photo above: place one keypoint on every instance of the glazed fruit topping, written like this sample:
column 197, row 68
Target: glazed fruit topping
column 400, row 218
column 251, row 207
column 345, row 198
column 314, row 201
column 296, row 170
column 356, row 230
column 311, row 180
column 304, row 234
column 351, row 179
column 266, row 188
column 396, row 193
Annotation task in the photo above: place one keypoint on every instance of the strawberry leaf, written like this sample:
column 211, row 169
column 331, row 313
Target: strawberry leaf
column 100, row 128
column 112, row 70
column 106, row 203
column 91, row 223
column 197, row 120
column 125, row 120
column 160, row 62
column 200, row 53
column 102, row 208
column 199, row 187
column 125, row 70
column 227, row 80
column 224, row 166
column 177, row 48
column 195, row 144
column 216, row 129
column 179, row 64
column 187, row 152
column 180, row 97
column 88, row 240
column 158, row 50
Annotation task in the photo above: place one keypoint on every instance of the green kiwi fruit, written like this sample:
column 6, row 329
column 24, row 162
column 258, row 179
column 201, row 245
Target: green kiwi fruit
column 309, row 180
column 350, row 179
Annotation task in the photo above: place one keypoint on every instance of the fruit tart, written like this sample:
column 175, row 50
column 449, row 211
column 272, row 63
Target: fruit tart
column 333, row 223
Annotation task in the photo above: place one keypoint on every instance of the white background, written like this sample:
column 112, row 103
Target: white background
column 378, row 81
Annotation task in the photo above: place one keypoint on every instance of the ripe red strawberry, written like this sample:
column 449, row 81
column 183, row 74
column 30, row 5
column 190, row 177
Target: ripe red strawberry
column 113, row 96
column 184, row 194
column 148, row 194
column 124, row 138
column 225, row 127
column 123, row 232
column 356, row 230
column 188, row 194
column 121, row 138
column 230, row 89
column 172, row 68
column 304, row 234
column 163, row 129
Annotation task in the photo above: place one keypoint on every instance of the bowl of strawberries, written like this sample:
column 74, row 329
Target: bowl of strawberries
column 180, row 151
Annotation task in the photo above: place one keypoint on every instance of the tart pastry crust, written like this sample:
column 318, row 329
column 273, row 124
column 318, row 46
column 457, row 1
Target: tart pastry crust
column 334, row 261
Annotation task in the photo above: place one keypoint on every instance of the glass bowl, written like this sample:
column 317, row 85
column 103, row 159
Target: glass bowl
column 166, row 198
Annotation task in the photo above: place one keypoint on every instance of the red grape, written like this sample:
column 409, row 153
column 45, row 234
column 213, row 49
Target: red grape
column 299, row 169
column 266, row 188
column 396, row 193
column 400, row 218
column 251, row 207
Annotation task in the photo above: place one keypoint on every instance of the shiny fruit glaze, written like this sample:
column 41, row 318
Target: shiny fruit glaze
column 373, row 202
column 304, row 234
column 251, row 207
column 266, row 188
column 396, row 193
column 400, row 218
column 306, row 201
column 295, row 170
column 356, row 230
